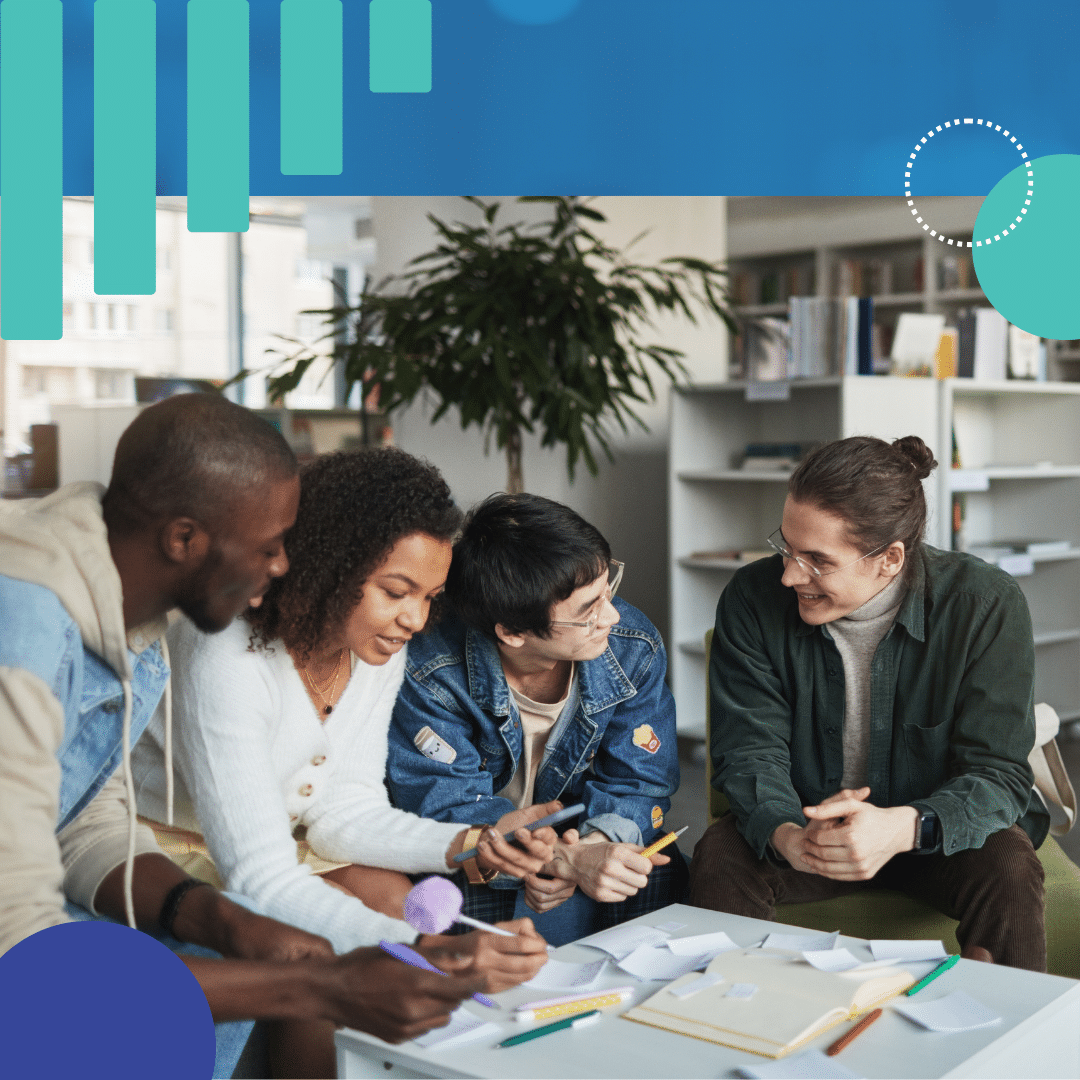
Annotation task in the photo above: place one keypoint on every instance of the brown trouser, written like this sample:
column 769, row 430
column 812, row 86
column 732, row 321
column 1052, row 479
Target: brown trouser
column 995, row 892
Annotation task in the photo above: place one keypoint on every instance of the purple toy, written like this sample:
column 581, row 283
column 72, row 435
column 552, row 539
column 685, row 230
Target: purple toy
column 434, row 905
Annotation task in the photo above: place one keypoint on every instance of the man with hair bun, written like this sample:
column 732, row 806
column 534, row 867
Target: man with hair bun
column 872, row 714
column 202, row 495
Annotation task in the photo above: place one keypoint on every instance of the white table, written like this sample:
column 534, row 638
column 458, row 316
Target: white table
column 1039, row 1035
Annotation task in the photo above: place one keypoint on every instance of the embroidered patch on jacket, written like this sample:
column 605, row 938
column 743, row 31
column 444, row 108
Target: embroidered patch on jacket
column 657, row 817
column 431, row 746
column 645, row 737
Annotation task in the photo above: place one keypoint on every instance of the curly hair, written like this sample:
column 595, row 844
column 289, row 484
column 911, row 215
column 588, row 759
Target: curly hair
column 354, row 507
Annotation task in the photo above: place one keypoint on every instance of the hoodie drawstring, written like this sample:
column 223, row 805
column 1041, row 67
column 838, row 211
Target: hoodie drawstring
column 129, row 783
column 168, row 735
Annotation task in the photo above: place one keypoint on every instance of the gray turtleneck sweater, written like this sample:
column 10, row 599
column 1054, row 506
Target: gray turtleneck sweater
column 857, row 637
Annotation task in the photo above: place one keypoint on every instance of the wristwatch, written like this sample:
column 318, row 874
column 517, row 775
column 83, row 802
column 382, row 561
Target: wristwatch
column 927, row 832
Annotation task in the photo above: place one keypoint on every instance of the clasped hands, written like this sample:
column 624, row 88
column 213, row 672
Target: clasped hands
column 605, row 870
column 846, row 838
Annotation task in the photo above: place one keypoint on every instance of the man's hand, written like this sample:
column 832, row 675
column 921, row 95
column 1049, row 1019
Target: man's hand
column 500, row 962
column 378, row 994
column 605, row 870
column 847, row 838
column 544, row 894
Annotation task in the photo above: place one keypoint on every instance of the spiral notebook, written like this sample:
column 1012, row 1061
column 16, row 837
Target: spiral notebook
column 793, row 1002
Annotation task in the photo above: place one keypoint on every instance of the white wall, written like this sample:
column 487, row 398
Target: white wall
column 627, row 501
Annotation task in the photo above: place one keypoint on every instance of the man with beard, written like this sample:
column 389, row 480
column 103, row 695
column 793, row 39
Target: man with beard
column 201, row 496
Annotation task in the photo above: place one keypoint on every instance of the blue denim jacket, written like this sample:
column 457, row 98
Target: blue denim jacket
column 613, row 748
column 41, row 637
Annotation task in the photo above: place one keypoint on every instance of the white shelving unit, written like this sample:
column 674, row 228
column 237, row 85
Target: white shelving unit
column 715, row 506
column 1019, row 446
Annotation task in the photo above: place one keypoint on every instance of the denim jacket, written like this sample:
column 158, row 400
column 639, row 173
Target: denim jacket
column 65, row 657
column 613, row 747
column 41, row 638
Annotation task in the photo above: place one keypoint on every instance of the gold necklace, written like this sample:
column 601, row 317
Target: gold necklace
column 331, row 683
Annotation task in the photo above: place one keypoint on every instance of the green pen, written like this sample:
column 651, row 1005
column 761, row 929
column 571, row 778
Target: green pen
column 583, row 1020
column 939, row 970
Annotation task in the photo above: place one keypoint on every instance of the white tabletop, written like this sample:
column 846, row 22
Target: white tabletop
column 1039, row 1035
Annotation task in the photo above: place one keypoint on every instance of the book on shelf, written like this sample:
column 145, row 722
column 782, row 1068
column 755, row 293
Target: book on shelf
column 765, row 345
column 1027, row 355
column 991, row 345
column 792, row 1004
column 947, row 351
column 915, row 343
column 766, row 457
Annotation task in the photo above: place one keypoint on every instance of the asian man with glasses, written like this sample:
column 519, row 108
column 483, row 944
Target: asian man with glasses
column 539, row 685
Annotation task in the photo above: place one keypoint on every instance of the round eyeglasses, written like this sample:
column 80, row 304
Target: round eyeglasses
column 615, row 572
column 780, row 546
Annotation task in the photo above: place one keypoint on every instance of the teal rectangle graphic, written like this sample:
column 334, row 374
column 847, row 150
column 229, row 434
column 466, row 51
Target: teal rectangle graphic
column 399, row 46
column 311, row 87
column 125, row 147
column 31, row 170
column 217, row 116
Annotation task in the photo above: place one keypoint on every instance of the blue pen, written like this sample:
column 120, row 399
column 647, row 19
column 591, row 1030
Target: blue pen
column 411, row 956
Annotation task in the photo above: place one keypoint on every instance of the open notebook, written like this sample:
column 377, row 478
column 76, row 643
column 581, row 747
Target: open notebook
column 793, row 1003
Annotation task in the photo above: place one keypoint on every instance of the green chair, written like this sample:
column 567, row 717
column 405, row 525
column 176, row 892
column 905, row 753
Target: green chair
column 883, row 913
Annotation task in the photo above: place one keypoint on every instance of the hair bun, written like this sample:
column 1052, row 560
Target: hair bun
column 917, row 454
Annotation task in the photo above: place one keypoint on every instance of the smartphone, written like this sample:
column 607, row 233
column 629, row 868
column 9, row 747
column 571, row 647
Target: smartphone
column 551, row 819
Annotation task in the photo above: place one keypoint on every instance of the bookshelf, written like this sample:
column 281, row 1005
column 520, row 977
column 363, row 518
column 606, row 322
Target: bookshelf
column 780, row 248
column 1019, row 446
column 714, row 506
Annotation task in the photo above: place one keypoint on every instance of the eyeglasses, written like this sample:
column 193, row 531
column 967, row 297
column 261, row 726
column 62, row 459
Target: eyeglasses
column 809, row 567
column 615, row 572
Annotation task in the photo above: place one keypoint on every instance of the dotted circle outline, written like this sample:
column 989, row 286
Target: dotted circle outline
column 910, row 164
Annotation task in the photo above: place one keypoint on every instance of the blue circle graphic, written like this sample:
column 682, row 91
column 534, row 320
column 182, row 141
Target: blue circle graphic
column 534, row 12
column 96, row 999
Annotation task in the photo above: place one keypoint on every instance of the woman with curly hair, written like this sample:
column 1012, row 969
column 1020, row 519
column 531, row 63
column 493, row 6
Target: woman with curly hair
column 282, row 739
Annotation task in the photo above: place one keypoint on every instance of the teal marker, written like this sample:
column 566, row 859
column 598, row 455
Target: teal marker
column 939, row 970
column 584, row 1020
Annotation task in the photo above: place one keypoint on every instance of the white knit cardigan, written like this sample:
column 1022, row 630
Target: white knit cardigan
column 255, row 761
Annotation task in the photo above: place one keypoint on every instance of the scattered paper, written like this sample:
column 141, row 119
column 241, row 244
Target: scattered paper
column 621, row 941
column 700, row 944
column 954, row 1012
column 742, row 990
column 702, row 982
column 830, row 959
column 906, row 951
column 562, row 975
column 670, row 927
column 648, row 962
column 464, row 1027
column 802, row 942
column 813, row 1065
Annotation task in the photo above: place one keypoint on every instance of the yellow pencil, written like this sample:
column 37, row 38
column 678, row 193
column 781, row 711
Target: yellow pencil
column 663, row 842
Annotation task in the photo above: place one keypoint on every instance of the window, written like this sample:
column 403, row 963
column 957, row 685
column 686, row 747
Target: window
column 110, row 385
column 309, row 328
column 69, row 315
column 164, row 322
column 132, row 318
column 164, row 258
column 97, row 318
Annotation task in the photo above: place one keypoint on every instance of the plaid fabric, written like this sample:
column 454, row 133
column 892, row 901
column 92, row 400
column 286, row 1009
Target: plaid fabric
column 667, row 885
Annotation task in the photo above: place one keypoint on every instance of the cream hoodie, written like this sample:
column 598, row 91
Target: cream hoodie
column 60, row 542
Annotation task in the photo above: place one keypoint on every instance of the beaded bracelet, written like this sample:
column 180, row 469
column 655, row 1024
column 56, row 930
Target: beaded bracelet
column 171, row 904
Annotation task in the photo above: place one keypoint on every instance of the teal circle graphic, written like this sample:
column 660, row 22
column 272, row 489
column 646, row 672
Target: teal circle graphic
column 534, row 12
column 1034, row 279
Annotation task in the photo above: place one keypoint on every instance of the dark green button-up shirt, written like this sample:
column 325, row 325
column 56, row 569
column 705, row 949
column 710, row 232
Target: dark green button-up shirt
column 951, row 708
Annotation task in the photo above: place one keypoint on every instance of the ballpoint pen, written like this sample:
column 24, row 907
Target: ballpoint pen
column 411, row 956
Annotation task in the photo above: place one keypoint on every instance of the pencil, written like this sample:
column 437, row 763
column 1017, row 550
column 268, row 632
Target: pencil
column 857, row 1030
column 663, row 842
